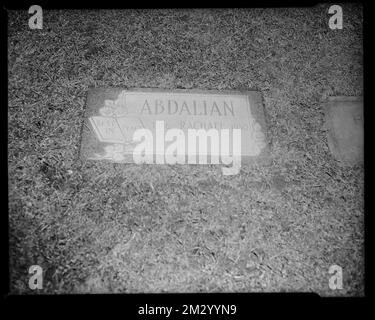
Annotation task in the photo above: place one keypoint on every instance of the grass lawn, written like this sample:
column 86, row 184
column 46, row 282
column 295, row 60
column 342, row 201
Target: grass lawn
column 100, row 227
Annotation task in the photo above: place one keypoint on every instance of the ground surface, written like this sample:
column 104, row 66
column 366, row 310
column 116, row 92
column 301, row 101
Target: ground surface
column 128, row 228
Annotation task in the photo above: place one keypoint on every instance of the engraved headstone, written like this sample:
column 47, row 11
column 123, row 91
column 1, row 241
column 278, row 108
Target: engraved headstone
column 344, row 125
column 113, row 115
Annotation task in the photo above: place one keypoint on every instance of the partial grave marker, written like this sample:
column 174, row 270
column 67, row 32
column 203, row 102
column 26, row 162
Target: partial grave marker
column 113, row 115
column 344, row 125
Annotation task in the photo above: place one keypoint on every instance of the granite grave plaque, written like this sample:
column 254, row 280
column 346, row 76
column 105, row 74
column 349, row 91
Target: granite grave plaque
column 113, row 115
column 344, row 127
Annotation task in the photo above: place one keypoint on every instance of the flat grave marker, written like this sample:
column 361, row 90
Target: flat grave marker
column 113, row 115
column 344, row 125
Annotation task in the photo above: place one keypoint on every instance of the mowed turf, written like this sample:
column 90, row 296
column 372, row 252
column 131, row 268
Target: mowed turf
column 97, row 227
